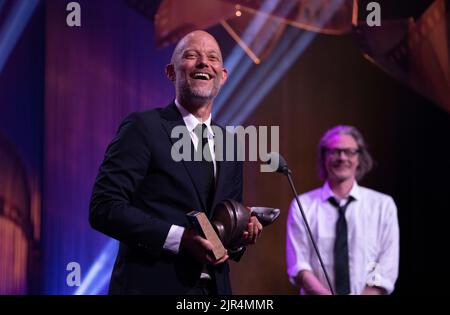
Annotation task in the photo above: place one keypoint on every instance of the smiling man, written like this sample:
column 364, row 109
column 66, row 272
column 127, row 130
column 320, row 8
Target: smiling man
column 142, row 195
column 355, row 228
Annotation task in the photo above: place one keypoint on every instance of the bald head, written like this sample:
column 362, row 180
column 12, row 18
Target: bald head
column 195, row 36
column 197, row 70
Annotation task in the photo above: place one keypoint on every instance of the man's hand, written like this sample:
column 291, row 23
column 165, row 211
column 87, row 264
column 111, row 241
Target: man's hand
column 312, row 286
column 374, row 291
column 253, row 232
column 200, row 248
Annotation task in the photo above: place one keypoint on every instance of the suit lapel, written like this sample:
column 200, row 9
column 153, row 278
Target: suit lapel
column 222, row 169
column 171, row 119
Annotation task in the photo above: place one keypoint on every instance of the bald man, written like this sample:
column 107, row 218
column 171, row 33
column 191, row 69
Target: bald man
column 142, row 195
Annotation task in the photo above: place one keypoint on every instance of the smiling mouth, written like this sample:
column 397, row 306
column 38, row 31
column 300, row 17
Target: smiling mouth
column 201, row 76
column 341, row 166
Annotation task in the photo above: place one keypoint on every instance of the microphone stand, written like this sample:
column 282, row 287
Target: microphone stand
column 286, row 171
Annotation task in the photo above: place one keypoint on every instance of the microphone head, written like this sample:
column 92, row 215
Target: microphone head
column 277, row 160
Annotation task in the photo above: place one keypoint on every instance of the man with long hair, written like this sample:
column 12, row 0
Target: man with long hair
column 355, row 228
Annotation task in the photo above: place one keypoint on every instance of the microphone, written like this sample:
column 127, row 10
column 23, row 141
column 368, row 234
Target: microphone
column 275, row 159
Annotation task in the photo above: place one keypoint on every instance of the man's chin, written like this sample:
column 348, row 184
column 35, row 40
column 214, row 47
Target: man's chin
column 203, row 95
column 342, row 177
column 200, row 95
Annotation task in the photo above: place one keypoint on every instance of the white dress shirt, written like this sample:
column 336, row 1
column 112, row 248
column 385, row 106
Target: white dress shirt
column 173, row 239
column 373, row 238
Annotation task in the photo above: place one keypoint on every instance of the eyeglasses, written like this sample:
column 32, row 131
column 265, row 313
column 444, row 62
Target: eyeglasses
column 336, row 152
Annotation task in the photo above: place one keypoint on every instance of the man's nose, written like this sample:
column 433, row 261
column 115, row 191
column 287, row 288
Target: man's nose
column 342, row 155
column 202, row 61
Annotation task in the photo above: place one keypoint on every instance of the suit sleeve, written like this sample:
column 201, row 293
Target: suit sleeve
column 238, row 183
column 236, row 255
column 124, row 167
column 238, row 175
column 237, row 195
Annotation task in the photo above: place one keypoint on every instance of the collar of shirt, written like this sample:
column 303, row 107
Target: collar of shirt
column 191, row 121
column 355, row 192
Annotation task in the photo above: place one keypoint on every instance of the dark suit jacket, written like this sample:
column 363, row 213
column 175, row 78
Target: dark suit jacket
column 140, row 191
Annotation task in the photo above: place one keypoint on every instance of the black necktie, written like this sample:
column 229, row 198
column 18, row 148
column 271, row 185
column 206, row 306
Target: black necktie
column 341, row 269
column 206, row 182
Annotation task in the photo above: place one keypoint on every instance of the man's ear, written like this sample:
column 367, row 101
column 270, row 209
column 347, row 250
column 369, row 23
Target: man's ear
column 170, row 72
column 224, row 76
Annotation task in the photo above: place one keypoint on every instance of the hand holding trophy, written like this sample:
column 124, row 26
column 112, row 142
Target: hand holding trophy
column 228, row 223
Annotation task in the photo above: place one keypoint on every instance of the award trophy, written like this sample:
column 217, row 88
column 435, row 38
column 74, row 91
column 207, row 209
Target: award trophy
column 228, row 222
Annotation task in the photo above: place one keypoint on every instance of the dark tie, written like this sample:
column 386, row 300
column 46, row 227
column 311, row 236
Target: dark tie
column 341, row 269
column 206, row 182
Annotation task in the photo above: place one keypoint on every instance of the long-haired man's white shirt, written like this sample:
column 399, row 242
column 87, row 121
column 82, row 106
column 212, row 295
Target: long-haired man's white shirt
column 373, row 237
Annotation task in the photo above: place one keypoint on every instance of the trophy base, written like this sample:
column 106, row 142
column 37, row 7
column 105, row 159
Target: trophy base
column 201, row 223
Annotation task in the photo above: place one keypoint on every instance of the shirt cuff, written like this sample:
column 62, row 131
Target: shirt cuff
column 173, row 240
column 375, row 279
column 295, row 270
